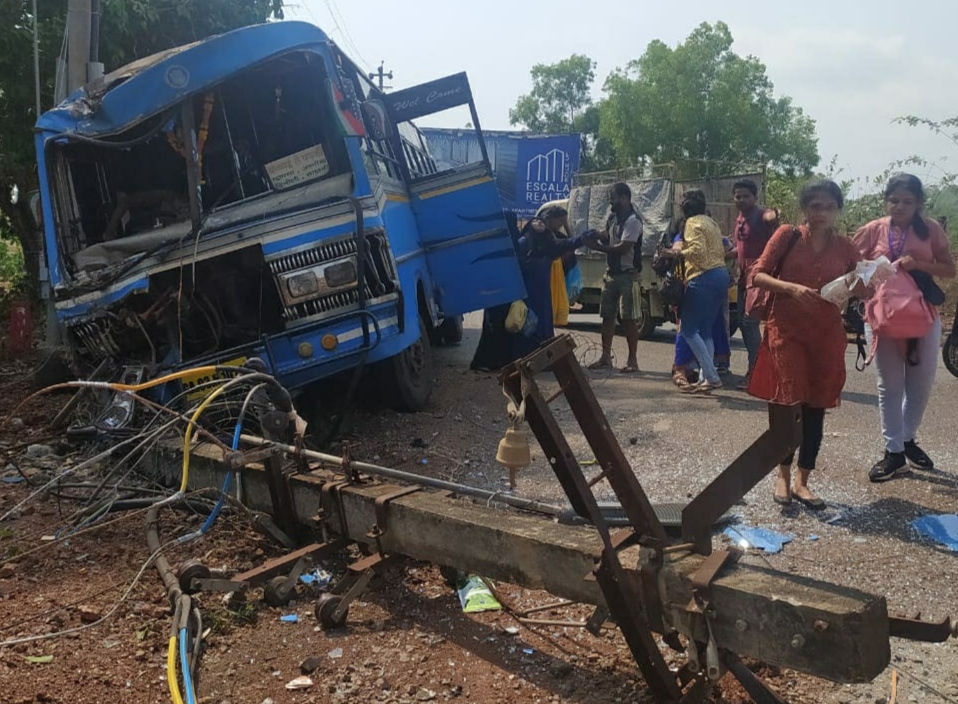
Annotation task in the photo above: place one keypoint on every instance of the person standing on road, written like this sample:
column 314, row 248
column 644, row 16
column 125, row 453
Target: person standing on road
column 920, row 246
column 536, row 248
column 685, row 370
column 706, row 287
column 801, row 359
column 621, row 291
column 556, row 219
column 753, row 228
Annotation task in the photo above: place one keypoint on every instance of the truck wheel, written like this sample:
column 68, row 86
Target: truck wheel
column 949, row 353
column 407, row 377
column 646, row 322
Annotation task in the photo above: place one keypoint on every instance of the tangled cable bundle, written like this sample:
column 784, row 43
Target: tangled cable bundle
column 215, row 412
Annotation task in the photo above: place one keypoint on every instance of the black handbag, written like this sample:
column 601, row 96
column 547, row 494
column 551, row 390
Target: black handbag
column 673, row 286
column 930, row 290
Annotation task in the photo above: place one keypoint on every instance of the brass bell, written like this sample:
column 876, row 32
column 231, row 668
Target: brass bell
column 514, row 453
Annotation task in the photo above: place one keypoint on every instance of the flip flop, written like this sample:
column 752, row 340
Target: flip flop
column 782, row 500
column 629, row 370
column 815, row 504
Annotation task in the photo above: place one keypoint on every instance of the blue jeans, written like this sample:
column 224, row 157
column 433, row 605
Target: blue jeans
column 903, row 390
column 751, row 331
column 685, row 359
column 705, row 296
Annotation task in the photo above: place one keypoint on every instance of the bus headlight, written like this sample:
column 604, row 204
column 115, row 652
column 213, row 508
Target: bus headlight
column 340, row 274
column 303, row 284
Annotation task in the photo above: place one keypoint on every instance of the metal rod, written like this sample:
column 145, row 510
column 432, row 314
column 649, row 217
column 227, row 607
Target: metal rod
column 546, row 607
column 376, row 470
column 546, row 622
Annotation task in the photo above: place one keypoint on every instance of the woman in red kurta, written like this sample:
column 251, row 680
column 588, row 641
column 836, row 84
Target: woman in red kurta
column 802, row 357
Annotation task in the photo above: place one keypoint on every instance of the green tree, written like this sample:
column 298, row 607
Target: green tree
column 130, row 29
column 561, row 92
column 560, row 102
column 702, row 101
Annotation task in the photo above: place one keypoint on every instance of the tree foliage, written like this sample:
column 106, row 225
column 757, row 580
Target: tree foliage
column 130, row 29
column 702, row 101
column 560, row 102
column 560, row 94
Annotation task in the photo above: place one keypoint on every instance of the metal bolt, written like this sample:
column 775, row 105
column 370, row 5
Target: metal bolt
column 798, row 641
column 741, row 625
column 820, row 626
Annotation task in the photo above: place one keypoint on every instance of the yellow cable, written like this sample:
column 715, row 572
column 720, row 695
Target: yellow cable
column 171, row 672
column 163, row 379
column 187, row 436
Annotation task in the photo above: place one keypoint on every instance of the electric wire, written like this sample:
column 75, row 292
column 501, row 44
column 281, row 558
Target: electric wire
column 109, row 614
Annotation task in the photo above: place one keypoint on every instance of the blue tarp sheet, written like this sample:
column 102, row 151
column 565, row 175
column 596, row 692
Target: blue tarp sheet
column 759, row 538
column 942, row 529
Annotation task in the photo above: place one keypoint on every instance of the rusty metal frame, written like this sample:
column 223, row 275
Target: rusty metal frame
column 924, row 631
column 784, row 435
column 377, row 531
column 624, row 602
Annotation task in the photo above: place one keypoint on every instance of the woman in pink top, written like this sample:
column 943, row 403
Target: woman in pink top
column 904, row 385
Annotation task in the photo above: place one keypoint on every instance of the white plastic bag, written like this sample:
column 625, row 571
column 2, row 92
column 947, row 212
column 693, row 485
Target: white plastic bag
column 876, row 272
column 837, row 291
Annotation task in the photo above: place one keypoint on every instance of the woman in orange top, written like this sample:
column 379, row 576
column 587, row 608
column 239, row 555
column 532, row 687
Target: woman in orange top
column 802, row 356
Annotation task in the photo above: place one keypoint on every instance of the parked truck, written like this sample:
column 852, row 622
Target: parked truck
column 654, row 197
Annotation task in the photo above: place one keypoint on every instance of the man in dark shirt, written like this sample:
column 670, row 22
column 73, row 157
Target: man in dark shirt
column 753, row 228
column 621, row 290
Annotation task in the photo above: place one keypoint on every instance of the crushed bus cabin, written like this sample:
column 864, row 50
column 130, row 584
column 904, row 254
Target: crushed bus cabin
column 254, row 195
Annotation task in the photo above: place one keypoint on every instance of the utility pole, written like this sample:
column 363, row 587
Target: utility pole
column 79, row 24
column 380, row 75
column 36, row 58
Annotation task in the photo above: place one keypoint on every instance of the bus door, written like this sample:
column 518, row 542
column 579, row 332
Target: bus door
column 468, row 247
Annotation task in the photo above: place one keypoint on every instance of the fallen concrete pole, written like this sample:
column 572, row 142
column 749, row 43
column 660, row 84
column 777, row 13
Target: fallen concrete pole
column 837, row 633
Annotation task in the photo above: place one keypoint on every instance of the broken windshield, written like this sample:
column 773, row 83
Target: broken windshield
column 268, row 129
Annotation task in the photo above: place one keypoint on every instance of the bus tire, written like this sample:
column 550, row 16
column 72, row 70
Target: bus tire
column 407, row 378
column 949, row 353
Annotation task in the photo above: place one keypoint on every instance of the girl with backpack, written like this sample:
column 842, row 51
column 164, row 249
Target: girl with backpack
column 906, row 368
column 801, row 360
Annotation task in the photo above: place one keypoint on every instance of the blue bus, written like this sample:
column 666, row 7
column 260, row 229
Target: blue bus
column 255, row 195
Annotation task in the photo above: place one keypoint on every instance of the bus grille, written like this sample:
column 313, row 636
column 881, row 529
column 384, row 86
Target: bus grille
column 310, row 257
column 380, row 277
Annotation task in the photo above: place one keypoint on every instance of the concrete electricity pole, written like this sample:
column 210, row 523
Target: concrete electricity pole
column 79, row 20
column 83, row 39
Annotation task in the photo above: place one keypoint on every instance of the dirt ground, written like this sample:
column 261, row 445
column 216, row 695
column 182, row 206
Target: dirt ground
column 407, row 639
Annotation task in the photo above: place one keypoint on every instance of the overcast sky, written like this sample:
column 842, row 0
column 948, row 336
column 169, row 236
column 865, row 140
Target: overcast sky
column 852, row 69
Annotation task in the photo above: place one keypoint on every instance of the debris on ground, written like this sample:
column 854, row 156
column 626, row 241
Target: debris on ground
column 762, row 539
column 943, row 529
column 475, row 595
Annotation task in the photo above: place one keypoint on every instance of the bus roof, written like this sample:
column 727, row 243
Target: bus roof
column 115, row 102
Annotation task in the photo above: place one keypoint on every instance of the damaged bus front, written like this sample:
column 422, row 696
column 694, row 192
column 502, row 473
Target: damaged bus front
column 253, row 195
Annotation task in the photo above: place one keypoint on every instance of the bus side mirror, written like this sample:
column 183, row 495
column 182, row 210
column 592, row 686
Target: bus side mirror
column 377, row 122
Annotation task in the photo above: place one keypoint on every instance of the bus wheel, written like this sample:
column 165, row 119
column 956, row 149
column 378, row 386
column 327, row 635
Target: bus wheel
column 407, row 378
